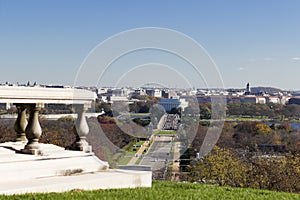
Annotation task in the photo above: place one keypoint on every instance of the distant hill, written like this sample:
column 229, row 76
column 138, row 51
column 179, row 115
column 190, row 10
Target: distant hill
column 267, row 90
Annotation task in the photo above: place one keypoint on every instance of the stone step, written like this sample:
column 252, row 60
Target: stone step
column 55, row 162
column 59, row 170
column 50, row 167
column 101, row 180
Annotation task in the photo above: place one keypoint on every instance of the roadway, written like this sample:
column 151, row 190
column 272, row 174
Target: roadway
column 159, row 153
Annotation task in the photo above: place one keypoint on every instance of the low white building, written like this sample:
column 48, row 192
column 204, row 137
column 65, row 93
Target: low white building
column 168, row 104
column 273, row 99
column 154, row 92
column 118, row 99
column 253, row 99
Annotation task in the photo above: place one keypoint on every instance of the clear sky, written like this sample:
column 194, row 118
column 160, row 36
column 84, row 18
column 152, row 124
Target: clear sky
column 255, row 41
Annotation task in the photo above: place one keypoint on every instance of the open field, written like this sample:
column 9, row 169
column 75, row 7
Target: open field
column 164, row 190
column 165, row 132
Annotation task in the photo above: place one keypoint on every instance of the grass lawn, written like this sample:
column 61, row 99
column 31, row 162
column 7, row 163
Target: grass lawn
column 247, row 118
column 124, row 160
column 164, row 190
column 3, row 112
column 139, row 160
column 166, row 132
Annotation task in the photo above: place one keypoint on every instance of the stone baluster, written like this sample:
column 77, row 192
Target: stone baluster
column 21, row 123
column 81, row 129
column 33, row 130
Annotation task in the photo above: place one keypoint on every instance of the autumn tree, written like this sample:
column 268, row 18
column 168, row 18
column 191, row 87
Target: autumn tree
column 220, row 167
column 262, row 129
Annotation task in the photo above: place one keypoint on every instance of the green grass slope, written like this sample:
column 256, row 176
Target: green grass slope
column 166, row 191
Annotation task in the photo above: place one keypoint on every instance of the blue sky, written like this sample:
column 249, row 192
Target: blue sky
column 250, row 41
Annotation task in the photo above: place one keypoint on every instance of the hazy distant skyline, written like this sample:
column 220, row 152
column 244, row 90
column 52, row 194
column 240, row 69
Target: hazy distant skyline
column 250, row 41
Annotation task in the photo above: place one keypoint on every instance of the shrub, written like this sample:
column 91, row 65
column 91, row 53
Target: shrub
column 262, row 129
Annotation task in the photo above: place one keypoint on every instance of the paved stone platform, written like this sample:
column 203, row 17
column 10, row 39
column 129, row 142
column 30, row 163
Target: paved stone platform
column 59, row 170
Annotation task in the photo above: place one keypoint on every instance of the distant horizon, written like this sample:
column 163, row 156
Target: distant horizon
column 67, row 85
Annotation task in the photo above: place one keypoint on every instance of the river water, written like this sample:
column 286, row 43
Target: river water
column 294, row 125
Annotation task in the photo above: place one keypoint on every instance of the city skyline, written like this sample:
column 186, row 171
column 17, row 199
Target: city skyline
column 256, row 42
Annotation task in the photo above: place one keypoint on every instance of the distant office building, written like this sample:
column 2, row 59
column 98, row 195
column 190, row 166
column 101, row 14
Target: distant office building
column 246, row 99
column 139, row 91
column 284, row 99
column 102, row 90
column 118, row 99
column 169, row 94
column 253, row 99
column 261, row 99
column 294, row 100
column 154, row 92
column 273, row 99
column 121, row 92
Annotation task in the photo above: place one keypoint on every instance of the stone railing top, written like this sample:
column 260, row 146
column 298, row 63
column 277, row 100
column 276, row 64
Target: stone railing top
column 42, row 95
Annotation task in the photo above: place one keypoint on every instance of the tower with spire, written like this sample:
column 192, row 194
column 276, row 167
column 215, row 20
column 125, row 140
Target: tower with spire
column 248, row 90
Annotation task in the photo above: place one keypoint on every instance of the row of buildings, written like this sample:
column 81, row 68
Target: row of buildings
column 174, row 98
column 170, row 98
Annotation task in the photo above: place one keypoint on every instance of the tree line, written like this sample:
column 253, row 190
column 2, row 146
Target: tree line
column 268, row 110
column 247, row 154
column 224, row 168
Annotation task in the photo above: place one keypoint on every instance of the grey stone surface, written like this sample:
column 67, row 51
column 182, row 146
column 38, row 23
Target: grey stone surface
column 59, row 170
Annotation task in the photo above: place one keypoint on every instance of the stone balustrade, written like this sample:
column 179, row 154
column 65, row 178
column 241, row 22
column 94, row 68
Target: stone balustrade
column 31, row 99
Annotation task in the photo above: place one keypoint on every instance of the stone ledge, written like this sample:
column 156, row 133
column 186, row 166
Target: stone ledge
column 62, row 170
column 111, row 179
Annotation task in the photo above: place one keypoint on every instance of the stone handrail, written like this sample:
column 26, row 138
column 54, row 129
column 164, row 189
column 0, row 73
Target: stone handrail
column 31, row 99
column 42, row 95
